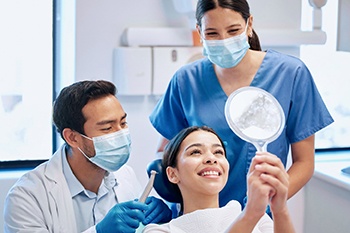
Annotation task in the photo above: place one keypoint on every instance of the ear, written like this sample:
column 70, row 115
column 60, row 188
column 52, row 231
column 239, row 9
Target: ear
column 199, row 32
column 71, row 137
column 250, row 26
column 171, row 174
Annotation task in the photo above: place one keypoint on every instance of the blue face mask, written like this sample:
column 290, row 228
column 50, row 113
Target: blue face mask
column 226, row 53
column 112, row 150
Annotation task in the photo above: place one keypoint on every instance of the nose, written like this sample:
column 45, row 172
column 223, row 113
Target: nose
column 118, row 127
column 225, row 36
column 210, row 159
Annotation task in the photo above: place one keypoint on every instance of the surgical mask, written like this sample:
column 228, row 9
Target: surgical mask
column 227, row 53
column 112, row 150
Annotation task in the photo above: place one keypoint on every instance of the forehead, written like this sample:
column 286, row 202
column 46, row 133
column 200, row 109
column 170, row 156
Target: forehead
column 202, row 137
column 104, row 108
column 221, row 17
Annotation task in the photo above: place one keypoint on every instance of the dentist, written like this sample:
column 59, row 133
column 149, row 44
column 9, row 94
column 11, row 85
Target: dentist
column 86, row 185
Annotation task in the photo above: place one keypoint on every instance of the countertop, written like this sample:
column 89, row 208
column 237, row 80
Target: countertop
column 328, row 166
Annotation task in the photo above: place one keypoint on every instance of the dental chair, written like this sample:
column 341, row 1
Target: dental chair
column 164, row 188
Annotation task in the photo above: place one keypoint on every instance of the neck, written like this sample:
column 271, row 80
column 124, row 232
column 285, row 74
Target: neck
column 88, row 174
column 241, row 75
column 192, row 203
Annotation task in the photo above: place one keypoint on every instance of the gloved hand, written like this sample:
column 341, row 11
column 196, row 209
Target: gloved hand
column 157, row 211
column 123, row 217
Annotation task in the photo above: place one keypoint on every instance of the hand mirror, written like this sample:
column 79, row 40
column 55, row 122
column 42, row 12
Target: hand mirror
column 255, row 116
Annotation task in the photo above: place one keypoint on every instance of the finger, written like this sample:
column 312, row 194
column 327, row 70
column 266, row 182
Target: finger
column 136, row 205
column 280, row 173
column 265, row 157
column 153, row 217
column 253, row 164
column 255, row 160
column 133, row 218
column 278, row 186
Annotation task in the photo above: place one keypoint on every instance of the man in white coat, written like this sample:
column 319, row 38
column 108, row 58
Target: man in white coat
column 85, row 186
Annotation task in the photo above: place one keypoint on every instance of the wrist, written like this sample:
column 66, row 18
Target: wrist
column 280, row 213
column 252, row 214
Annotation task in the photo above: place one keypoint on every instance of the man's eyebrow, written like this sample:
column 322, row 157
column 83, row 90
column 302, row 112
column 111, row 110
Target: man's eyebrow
column 105, row 122
column 110, row 121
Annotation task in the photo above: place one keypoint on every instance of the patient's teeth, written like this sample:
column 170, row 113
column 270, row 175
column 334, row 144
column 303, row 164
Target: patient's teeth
column 207, row 173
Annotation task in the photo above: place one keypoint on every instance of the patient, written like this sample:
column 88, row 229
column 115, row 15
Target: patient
column 195, row 164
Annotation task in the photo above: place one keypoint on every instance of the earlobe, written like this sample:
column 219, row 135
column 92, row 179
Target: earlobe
column 171, row 174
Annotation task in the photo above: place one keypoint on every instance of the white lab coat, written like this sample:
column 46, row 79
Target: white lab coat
column 40, row 201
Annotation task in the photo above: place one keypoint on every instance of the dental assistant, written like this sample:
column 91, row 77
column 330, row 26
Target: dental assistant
column 86, row 185
column 197, row 93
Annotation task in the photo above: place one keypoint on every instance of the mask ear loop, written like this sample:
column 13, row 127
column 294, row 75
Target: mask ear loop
column 251, row 32
column 86, row 137
column 246, row 28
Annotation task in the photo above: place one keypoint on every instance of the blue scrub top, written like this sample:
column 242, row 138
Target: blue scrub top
column 195, row 97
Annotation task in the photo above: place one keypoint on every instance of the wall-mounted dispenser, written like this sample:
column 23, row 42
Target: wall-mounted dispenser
column 148, row 70
column 132, row 70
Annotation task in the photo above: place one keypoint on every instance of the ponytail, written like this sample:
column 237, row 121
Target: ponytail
column 254, row 41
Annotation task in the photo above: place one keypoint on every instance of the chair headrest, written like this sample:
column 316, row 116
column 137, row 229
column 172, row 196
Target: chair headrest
column 161, row 183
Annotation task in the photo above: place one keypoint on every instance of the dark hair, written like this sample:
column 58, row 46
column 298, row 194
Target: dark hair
column 240, row 6
column 67, row 108
column 172, row 149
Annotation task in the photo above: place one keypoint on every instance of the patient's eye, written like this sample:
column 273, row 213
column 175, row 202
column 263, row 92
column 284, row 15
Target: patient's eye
column 195, row 151
column 219, row 152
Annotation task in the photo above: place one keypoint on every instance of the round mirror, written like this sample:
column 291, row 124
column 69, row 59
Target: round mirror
column 254, row 115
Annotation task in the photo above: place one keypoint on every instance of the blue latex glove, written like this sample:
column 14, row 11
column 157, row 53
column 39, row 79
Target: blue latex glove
column 157, row 211
column 123, row 217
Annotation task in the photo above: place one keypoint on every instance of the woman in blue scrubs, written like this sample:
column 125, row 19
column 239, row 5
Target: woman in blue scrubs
column 197, row 94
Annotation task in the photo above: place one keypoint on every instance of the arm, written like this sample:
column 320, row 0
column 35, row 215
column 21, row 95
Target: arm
column 274, row 174
column 258, row 192
column 268, row 183
column 302, row 168
column 22, row 213
column 161, row 145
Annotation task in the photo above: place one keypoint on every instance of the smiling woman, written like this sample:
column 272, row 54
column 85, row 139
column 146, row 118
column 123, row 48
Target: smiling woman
column 25, row 80
column 196, row 167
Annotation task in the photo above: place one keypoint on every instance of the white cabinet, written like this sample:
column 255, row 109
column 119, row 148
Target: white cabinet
column 148, row 70
column 327, row 196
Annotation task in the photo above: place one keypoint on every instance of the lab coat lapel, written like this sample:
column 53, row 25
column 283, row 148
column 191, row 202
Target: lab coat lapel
column 60, row 198
column 128, row 187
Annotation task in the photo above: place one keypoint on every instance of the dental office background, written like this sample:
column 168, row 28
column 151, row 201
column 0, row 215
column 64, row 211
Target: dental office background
column 138, row 44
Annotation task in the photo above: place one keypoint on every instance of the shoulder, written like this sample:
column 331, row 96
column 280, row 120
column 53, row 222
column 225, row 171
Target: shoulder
column 31, row 180
column 41, row 178
column 232, row 209
column 125, row 171
column 282, row 58
column 233, row 204
column 128, row 184
column 126, row 174
column 193, row 68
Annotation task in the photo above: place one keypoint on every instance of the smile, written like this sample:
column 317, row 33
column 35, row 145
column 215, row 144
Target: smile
column 210, row 173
